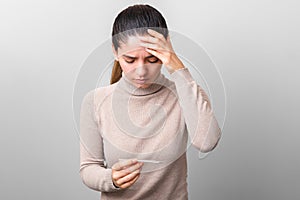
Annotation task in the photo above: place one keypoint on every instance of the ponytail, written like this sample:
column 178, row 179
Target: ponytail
column 116, row 73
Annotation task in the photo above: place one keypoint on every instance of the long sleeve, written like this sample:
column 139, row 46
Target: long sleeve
column 93, row 171
column 199, row 118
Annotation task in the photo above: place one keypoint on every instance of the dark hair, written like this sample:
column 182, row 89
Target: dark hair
column 135, row 20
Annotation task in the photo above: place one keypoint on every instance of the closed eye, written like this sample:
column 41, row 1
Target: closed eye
column 153, row 60
column 129, row 61
column 150, row 59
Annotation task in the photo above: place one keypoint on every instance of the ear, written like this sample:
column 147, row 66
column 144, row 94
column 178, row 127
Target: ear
column 115, row 52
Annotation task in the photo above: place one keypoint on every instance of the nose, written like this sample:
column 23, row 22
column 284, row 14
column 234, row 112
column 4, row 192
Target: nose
column 141, row 70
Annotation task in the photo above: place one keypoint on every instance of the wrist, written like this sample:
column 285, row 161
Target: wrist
column 172, row 70
column 175, row 65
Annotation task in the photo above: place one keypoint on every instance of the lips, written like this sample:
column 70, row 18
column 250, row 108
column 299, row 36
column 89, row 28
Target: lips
column 141, row 81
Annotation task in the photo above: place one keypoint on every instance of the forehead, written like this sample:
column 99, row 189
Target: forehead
column 132, row 47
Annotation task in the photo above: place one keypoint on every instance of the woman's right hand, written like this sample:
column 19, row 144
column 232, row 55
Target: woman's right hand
column 126, row 172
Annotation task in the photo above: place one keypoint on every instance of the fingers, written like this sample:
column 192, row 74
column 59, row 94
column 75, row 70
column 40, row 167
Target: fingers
column 125, row 185
column 155, row 53
column 152, row 46
column 156, row 37
column 123, row 164
column 119, row 174
column 127, row 173
column 150, row 39
column 156, row 44
column 128, row 178
column 156, row 34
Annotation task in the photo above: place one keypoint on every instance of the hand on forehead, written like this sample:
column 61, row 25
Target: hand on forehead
column 132, row 45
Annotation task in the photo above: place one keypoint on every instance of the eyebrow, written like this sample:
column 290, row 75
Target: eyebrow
column 132, row 57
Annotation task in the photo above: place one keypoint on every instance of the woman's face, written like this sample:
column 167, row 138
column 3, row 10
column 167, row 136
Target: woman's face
column 139, row 66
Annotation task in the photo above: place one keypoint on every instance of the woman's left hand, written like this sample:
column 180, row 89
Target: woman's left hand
column 160, row 47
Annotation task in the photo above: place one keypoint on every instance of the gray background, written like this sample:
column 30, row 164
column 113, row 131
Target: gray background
column 255, row 44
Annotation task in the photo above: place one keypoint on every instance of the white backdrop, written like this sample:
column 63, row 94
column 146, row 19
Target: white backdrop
column 255, row 45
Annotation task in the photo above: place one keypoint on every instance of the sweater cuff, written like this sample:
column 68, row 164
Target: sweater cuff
column 181, row 76
column 109, row 180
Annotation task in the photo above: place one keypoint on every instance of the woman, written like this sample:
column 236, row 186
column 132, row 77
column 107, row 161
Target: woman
column 133, row 133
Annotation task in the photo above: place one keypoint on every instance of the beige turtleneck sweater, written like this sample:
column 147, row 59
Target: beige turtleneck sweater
column 159, row 123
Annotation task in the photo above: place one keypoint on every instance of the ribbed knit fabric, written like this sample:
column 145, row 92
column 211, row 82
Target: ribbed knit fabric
column 122, row 121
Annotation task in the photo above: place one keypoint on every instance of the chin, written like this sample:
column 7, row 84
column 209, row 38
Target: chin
column 143, row 86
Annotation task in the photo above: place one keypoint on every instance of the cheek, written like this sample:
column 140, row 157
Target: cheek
column 156, row 68
column 126, row 67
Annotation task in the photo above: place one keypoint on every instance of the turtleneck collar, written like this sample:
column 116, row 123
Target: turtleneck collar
column 126, row 85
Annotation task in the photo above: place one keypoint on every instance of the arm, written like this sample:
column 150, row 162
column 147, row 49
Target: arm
column 93, row 171
column 201, row 123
